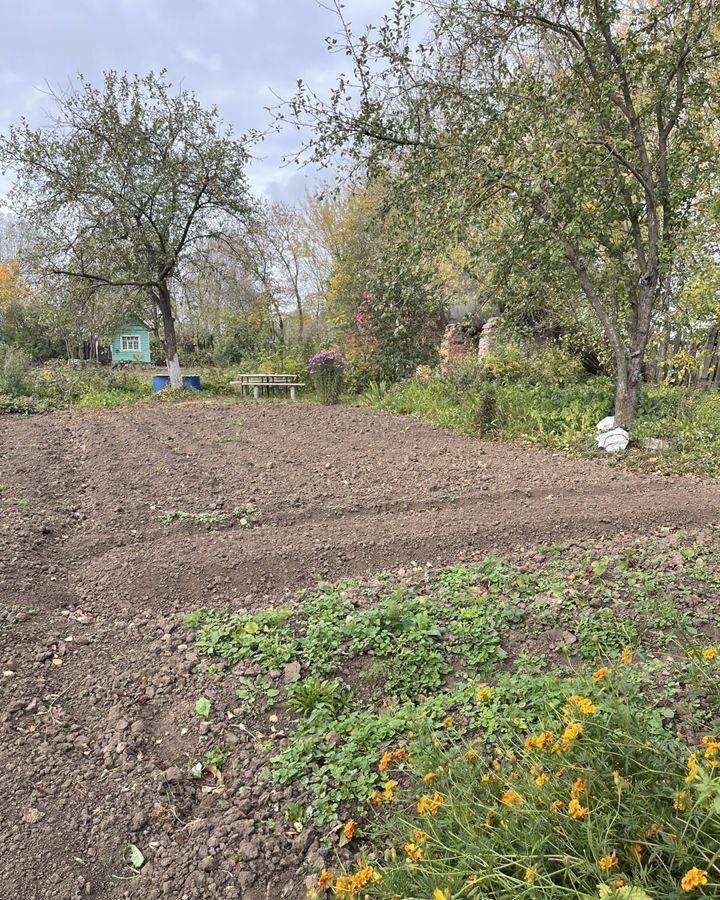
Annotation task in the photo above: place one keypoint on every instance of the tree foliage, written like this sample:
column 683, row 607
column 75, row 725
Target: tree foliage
column 129, row 178
column 564, row 141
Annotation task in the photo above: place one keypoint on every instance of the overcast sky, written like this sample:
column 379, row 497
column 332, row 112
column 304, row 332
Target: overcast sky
column 232, row 53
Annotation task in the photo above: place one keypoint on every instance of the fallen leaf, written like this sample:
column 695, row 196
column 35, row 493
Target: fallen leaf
column 57, row 661
column 133, row 857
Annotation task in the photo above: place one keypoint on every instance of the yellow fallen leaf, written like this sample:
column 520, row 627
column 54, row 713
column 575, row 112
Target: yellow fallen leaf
column 56, row 661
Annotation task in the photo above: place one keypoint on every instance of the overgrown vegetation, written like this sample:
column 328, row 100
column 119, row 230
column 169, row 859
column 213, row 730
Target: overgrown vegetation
column 417, row 695
column 680, row 427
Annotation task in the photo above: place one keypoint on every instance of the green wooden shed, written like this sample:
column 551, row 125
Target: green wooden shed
column 131, row 342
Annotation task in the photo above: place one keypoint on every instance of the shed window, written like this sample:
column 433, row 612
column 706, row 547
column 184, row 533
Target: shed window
column 130, row 343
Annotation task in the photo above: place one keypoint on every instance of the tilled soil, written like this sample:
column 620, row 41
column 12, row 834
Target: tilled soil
column 98, row 686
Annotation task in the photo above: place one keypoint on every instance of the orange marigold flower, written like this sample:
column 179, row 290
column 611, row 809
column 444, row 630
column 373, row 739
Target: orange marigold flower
column 385, row 760
column 375, row 797
column 620, row 883
column 585, row 705
column 349, row 828
column 447, row 721
column 541, row 779
column 413, row 851
column 512, row 798
column 324, row 878
column 576, row 810
column 420, row 836
column 572, row 731
column 429, row 804
column 556, row 805
column 607, row 862
column 578, row 787
column 429, row 776
column 637, row 850
column 399, row 753
column 538, row 740
column 693, row 878
column 364, row 875
column 482, row 693
column 470, row 755
column 601, row 673
column 626, row 655
column 710, row 653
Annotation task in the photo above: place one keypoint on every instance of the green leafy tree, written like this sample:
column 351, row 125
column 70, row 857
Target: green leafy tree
column 583, row 127
column 126, row 181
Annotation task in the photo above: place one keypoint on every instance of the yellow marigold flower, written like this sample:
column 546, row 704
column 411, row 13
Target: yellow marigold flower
column 541, row 779
column 607, row 862
column 324, row 878
column 692, row 768
column 470, row 755
column 375, row 797
column 482, row 693
column 344, row 886
column 710, row 653
column 441, row 895
column 652, row 830
column 626, row 655
column 385, row 760
column 693, row 878
column 311, row 894
column 429, row 776
column 556, row 805
column 601, row 673
column 349, row 828
column 447, row 721
column 388, row 789
column 712, row 745
column 576, row 810
column 620, row 883
column 680, row 801
column 573, row 730
column 420, row 836
column 512, row 798
column 495, row 764
column 530, row 874
column 488, row 820
column 413, row 851
column 637, row 850
column 584, row 704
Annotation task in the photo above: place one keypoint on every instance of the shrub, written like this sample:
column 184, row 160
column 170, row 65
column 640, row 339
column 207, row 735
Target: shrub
column 326, row 370
column 16, row 375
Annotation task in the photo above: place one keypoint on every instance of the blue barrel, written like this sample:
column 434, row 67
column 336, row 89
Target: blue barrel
column 159, row 382
column 192, row 382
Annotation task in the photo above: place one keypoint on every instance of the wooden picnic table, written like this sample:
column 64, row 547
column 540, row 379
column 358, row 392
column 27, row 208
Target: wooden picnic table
column 269, row 382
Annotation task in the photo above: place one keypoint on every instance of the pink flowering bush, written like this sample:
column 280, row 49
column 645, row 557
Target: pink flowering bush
column 326, row 370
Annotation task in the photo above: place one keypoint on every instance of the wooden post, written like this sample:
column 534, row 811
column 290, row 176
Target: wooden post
column 256, row 392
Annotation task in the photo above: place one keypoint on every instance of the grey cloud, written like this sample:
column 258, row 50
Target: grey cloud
column 236, row 54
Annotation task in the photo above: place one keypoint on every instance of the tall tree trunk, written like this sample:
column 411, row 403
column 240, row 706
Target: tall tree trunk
column 627, row 385
column 170, row 338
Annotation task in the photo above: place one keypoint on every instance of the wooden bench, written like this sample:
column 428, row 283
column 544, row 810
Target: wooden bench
column 269, row 383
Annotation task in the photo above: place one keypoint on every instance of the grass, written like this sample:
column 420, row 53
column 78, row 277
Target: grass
column 245, row 516
column 564, row 417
